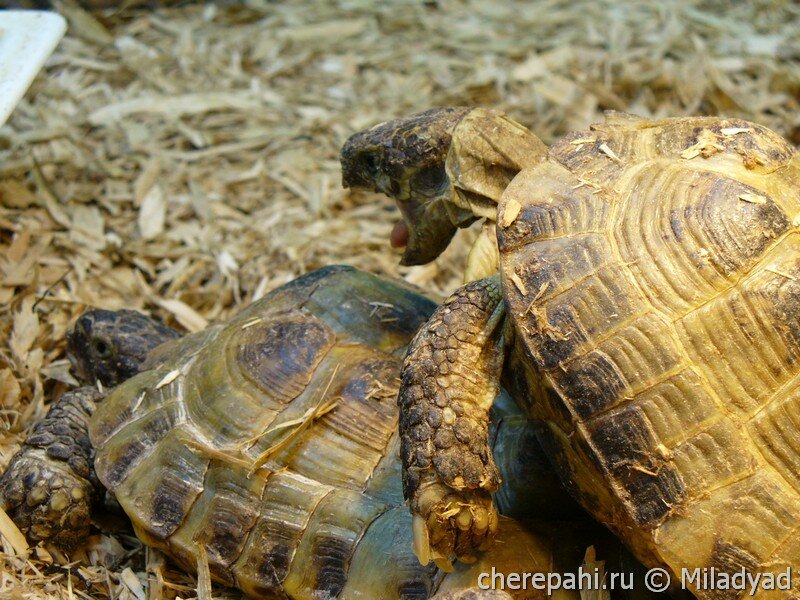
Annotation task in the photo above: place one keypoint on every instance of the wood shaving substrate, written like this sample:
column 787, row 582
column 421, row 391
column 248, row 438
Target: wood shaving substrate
column 183, row 161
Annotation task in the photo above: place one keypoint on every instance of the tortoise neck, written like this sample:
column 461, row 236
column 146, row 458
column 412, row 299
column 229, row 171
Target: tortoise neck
column 487, row 151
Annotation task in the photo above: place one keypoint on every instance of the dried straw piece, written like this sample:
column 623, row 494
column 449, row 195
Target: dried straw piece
column 11, row 533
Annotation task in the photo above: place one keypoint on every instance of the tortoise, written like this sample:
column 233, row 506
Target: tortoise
column 267, row 446
column 637, row 286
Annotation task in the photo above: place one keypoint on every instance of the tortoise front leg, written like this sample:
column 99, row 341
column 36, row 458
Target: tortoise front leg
column 50, row 485
column 450, row 379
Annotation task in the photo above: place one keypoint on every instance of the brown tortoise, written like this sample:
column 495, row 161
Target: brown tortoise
column 646, row 312
column 267, row 445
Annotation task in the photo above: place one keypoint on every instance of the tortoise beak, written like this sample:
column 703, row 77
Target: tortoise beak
column 77, row 366
column 429, row 227
column 405, row 160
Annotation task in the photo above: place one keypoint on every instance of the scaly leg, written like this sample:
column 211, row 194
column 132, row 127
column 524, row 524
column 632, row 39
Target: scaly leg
column 450, row 378
column 50, row 486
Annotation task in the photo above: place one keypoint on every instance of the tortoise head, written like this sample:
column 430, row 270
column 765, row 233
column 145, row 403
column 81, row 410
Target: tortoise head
column 111, row 346
column 405, row 159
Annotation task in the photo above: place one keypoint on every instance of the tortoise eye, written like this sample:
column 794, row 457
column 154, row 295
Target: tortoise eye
column 102, row 349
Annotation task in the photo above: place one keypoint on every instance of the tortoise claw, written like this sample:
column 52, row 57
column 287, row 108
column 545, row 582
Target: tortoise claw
column 451, row 524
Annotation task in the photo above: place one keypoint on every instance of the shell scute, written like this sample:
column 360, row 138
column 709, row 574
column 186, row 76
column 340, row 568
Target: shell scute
column 221, row 518
column 179, row 444
column 552, row 203
column 677, row 381
column 689, row 235
column 286, row 506
column 279, row 355
column 651, row 486
column 165, row 486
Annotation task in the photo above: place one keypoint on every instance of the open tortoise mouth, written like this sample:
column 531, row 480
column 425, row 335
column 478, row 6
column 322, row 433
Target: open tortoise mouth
column 400, row 235
column 76, row 368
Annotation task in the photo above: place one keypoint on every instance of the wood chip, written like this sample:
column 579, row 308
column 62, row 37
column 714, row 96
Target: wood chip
column 146, row 180
column 327, row 32
column 168, row 378
column 753, row 198
column 706, row 146
column 175, row 106
column 609, row 152
column 519, row 283
column 511, row 212
column 131, row 581
column 9, row 389
column 185, row 314
column 152, row 214
column 734, row 130
column 12, row 534
column 84, row 25
column 203, row 574
column 252, row 322
column 25, row 331
column 596, row 568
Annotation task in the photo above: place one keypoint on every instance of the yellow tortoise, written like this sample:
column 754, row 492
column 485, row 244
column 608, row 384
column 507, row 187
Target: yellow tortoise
column 638, row 286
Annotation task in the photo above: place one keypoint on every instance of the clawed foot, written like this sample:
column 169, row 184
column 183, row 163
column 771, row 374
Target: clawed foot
column 49, row 486
column 449, row 523
column 450, row 377
column 46, row 500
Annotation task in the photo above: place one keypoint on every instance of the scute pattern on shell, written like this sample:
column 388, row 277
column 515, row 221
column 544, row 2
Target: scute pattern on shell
column 662, row 263
column 179, row 444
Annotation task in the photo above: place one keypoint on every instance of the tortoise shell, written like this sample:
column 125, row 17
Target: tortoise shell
column 652, row 270
column 267, row 447
column 220, row 449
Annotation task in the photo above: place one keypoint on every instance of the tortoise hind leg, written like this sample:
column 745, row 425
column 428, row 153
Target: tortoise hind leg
column 450, row 379
column 50, row 485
